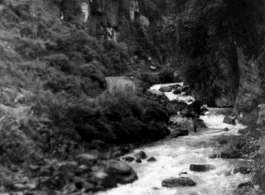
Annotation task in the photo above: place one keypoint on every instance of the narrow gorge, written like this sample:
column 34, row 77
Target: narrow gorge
column 136, row 97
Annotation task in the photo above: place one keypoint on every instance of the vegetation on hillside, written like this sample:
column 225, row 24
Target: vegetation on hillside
column 53, row 87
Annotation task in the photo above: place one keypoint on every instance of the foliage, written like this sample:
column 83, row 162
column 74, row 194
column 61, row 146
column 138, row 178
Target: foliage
column 119, row 117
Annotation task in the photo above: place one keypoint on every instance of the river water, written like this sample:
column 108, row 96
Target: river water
column 174, row 156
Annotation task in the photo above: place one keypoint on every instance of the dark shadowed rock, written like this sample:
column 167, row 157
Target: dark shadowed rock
column 138, row 161
column 177, row 86
column 178, row 182
column 199, row 123
column 140, row 155
column 242, row 170
column 203, row 110
column 231, row 154
column 151, row 159
column 225, row 129
column 230, row 121
column 121, row 172
column 246, row 184
column 227, row 154
column 185, row 88
column 240, row 145
column 120, row 152
column 183, row 173
column 201, row 167
column 128, row 158
column 195, row 107
column 165, row 89
column 179, row 133
column 177, row 91
column 242, row 131
column 223, row 141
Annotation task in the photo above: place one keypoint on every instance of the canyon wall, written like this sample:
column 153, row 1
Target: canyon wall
column 102, row 17
column 251, row 92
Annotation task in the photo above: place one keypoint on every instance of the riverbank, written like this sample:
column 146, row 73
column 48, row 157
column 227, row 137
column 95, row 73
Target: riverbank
column 218, row 146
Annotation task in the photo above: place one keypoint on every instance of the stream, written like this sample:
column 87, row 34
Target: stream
column 174, row 156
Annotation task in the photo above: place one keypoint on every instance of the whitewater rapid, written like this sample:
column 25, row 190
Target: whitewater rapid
column 174, row 157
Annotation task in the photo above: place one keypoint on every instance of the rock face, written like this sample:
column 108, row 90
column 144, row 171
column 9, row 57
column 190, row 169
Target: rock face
column 178, row 182
column 251, row 89
column 102, row 16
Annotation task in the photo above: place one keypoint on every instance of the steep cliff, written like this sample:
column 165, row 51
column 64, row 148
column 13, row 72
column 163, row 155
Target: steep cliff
column 251, row 89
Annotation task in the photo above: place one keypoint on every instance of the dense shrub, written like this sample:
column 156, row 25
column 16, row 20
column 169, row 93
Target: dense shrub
column 112, row 118
column 60, row 62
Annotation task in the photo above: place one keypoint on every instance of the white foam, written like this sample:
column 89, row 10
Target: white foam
column 175, row 156
column 158, row 86
column 171, row 96
column 216, row 122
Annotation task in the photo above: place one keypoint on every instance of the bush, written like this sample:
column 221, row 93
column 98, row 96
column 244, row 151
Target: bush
column 120, row 117
column 60, row 62
column 15, row 146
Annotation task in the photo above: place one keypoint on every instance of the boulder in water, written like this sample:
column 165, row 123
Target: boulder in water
column 201, row 167
column 230, row 121
column 179, row 133
column 177, row 91
column 178, row 182
column 151, row 159
column 121, row 172
column 203, row 110
column 182, row 123
column 242, row 170
column 246, row 184
column 225, row 129
column 198, row 123
column 227, row 154
column 140, row 155
column 138, row 161
column 128, row 158
column 242, row 131
column 165, row 89
column 177, row 86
